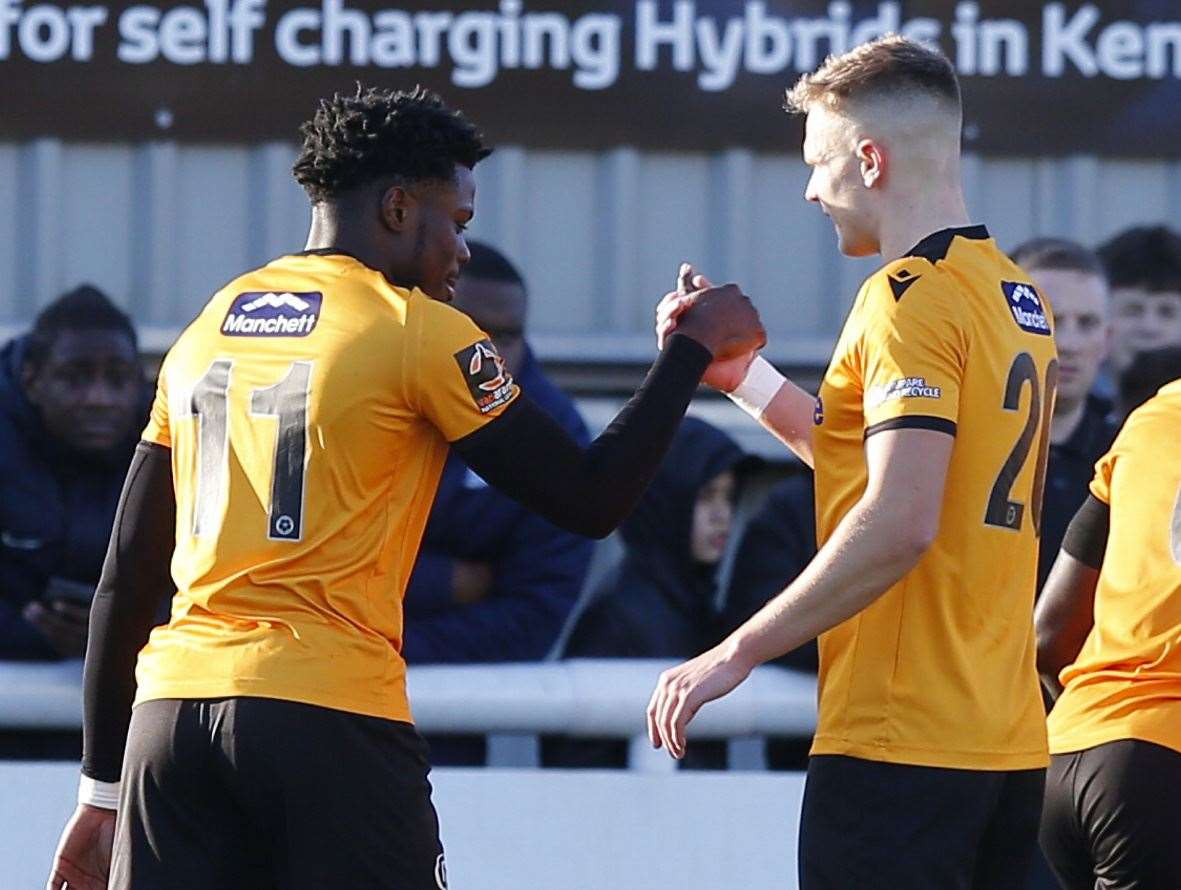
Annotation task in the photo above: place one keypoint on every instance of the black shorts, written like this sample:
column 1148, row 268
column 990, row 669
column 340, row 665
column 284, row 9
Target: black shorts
column 237, row 793
column 1111, row 817
column 886, row 826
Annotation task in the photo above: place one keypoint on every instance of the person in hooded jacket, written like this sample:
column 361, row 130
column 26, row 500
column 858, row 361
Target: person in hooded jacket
column 72, row 402
column 777, row 544
column 660, row 601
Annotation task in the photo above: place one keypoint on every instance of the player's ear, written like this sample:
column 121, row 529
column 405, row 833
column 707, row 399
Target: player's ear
column 872, row 158
column 397, row 209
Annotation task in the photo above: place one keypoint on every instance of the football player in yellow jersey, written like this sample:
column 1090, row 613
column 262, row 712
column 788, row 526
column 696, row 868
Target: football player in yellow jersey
column 299, row 430
column 1109, row 649
column 929, row 440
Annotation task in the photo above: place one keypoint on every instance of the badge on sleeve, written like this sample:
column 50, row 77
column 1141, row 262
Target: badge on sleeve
column 488, row 380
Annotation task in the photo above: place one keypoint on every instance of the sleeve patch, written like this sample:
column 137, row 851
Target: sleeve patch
column 488, row 380
column 902, row 388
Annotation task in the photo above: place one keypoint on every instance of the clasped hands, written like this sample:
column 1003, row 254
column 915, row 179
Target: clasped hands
column 695, row 306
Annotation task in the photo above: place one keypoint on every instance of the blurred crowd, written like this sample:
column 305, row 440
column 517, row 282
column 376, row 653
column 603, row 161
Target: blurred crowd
column 712, row 540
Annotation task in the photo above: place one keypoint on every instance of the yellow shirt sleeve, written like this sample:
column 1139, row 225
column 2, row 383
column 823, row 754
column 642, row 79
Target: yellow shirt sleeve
column 1126, row 442
column 912, row 355
column 1101, row 484
column 158, row 429
column 457, row 379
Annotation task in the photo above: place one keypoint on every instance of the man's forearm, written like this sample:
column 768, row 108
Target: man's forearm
column 870, row 551
column 528, row 456
column 1064, row 617
column 784, row 409
column 790, row 417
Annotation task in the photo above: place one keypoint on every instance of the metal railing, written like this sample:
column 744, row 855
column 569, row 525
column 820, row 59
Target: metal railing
column 510, row 703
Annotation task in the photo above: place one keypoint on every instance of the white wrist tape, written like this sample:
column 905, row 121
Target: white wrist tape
column 98, row 794
column 757, row 388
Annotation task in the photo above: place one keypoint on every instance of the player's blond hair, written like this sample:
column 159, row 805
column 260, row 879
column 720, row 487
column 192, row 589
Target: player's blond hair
column 891, row 66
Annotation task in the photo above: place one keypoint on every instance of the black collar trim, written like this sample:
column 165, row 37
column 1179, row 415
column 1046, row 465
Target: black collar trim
column 325, row 251
column 935, row 247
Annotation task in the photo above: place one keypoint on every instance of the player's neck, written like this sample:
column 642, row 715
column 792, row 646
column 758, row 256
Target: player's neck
column 908, row 224
column 329, row 232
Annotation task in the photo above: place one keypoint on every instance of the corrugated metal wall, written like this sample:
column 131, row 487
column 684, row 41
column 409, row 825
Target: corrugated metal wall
column 161, row 225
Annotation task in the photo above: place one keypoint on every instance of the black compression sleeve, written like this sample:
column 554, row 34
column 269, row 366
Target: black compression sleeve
column 136, row 576
column 528, row 456
column 1086, row 536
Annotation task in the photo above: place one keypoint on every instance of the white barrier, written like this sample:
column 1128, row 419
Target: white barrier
column 591, row 697
column 515, row 829
column 505, row 828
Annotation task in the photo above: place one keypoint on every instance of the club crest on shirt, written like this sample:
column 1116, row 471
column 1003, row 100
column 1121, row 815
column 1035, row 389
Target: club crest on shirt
column 488, row 380
column 267, row 314
column 1026, row 306
column 903, row 388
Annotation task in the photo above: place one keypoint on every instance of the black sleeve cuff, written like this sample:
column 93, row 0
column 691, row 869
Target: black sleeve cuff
column 913, row 422
column 684, row 350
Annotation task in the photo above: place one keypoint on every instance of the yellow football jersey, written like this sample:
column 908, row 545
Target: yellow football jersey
column 308, row 409
column 1126, row 681
column 940, row 670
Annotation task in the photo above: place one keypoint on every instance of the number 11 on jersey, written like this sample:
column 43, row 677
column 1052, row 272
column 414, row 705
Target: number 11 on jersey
column 287, row 401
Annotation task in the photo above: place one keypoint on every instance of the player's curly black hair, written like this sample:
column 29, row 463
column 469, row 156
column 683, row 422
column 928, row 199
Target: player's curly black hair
column 373, row 134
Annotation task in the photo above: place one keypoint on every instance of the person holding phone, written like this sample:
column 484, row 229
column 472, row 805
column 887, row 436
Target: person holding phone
column 72, row 400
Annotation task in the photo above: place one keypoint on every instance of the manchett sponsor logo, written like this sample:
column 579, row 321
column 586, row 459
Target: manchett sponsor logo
column 256, row 314
column 1026, row 306
column 277, row 301
column 905, row 388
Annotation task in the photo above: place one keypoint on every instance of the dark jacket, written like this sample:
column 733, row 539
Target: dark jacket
column 776, row 546
column 1069, row 471
column 659, row 603
column 56, row 509
column 538, row 567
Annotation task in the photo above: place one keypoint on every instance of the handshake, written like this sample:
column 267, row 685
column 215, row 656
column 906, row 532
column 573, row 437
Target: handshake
column 721, row 318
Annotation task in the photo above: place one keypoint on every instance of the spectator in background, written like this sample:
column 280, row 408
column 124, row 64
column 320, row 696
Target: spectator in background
column 493, row 581
column 1144, row 269
column 1147, row 373
column 72, row 402
column 1081, row 430
column 661, row 600
column 778, row 543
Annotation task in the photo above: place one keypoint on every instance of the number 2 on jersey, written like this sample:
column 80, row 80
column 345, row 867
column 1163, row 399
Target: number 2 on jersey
column 1003, row 512
column 287, row 401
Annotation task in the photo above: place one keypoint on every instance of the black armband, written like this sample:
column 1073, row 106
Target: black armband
column 1086, row 536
